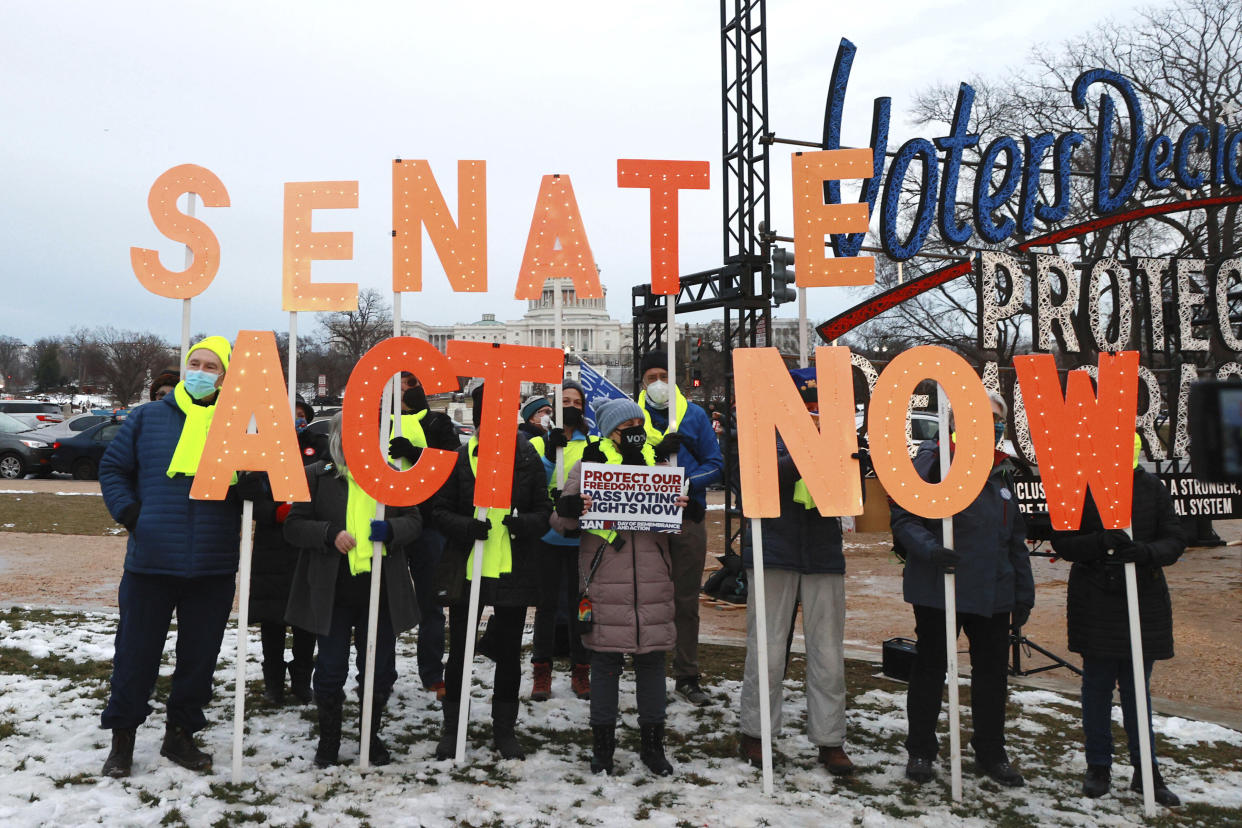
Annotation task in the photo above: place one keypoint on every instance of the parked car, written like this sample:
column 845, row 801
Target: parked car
column 73, row 425
column 34, row 413
column 79, row 453
column 22, row 451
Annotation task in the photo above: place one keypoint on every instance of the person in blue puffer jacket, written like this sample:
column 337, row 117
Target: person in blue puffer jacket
column 691, row 438
column 181, row 557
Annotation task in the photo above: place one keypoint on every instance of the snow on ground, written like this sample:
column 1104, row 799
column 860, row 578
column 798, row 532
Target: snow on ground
column 53, row 673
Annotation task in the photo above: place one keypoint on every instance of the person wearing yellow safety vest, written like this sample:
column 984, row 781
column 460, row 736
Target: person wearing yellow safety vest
column 560, row 571
column 423, row 428
column 331, row 590
column 686, row 436
column 181, row 556
column 629, row 583
column 510, row 572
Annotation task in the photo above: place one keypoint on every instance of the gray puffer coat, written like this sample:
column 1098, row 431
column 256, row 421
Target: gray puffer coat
column 632, row 589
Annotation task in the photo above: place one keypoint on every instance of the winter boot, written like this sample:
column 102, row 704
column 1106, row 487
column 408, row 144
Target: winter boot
column 446, row 748
column 581, row 681
column 379, row 751
column 1097, row 781
column 274, row 683
column 121, row 759
column 604, row 743
column 504, row 720
column 542, row 688
column 652, row 752
column 179, row 747
column 1160, row 791
column 300, row 681
column 329, row 729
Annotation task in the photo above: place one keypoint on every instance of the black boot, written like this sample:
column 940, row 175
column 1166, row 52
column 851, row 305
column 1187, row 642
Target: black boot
column 379, row 751
column 1160, row 791
column 179, row 747
column 604, row 744
column 504, row 721
column 300, row 681
column 274, row 682
column 446, row 748
column 1097, row 781
column 652, row 752
column 329, row 729
column 121, row 759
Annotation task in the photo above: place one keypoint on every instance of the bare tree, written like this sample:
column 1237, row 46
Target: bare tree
column 128, row 359
column 352, row 333
column 12, row 369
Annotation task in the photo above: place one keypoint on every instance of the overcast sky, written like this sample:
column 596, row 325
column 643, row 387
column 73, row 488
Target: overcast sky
column 98, row 99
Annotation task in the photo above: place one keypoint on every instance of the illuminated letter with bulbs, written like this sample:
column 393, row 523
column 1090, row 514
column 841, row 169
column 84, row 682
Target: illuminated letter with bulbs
column 664, row 179
column 767, row 401
column 417, row 203
column 176, row 225
column 557, row 220
column 253, row 389
column 974, row 443
column 503, row 368
column 303, row 246
column 361, row 420
column 814, row 220
column 1085, row 439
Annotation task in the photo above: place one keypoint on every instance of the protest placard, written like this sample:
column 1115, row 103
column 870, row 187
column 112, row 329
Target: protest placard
column 632, row 498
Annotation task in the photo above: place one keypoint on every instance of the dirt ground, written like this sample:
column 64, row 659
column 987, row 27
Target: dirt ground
column 82, row 572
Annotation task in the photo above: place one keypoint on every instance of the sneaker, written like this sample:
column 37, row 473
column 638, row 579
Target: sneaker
column 919, row 769
column 1001, row 772
column 542, row 687
column 1162, row 793
column 751, row 749
column 835, row 761
column 580, row 682
column 690, row 691
column 1097, row 781
column 179, row 747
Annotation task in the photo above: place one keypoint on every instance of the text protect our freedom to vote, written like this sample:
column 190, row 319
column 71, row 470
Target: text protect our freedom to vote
column 632, row 498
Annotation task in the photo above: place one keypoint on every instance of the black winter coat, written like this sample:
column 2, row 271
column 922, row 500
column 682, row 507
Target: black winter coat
column 453, row 507
column 801, row 539
column 271, row 569
column 1095, row 604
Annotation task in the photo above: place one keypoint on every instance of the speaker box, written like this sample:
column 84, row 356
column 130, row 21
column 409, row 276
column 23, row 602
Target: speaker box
column 899, row 658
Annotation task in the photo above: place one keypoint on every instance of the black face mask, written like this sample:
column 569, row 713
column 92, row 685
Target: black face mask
column 632, row 440
column 573, row 418
column 414, row 399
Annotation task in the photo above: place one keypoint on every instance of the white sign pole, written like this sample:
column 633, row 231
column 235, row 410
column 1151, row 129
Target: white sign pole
column 804, row 349
column 190, row 200
column 761, row 636
column 672, row 363
column 559, row 312
column 950, row 615
column 293, row 361
column 243, row 621
column 1140, row 688
column 472, row 630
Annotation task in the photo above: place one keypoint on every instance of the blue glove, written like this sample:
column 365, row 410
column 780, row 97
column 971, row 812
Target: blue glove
column 381, row 530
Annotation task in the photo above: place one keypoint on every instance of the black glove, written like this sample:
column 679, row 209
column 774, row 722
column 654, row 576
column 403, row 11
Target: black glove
column 593, row 454
column 1111, row 539
column 1137, row 553
column 400, row 448
column 511, row 522
column 556, row 439
column 570, row 506
column 440, row 433
column 1021, row 614
column 555, row 494
column 129, row 516
column 252, row 486
column 694, row 511
column 944, row 557
column 476, row 530
column 669, row 446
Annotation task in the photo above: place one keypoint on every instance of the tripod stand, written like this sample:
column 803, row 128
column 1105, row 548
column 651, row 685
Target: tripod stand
column 1017, row 641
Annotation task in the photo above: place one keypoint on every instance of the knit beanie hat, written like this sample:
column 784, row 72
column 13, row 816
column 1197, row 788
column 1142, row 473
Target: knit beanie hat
column 611, row 413
column 567, row 384
column 654, row 359
column 532, row 405
column 218, row 345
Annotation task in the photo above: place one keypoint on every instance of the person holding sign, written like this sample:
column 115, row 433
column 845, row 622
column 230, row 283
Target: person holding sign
column 1098, row 626
column 181, row 557
column 560, row 572
column 628, row 597
column 994, row 581
column 510, row 572
column 685, row 435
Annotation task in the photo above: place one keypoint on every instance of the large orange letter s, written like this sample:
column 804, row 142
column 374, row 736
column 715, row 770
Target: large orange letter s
column 176, row 225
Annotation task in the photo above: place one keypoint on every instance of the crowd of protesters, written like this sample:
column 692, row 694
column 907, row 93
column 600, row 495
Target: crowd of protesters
column 622, row 592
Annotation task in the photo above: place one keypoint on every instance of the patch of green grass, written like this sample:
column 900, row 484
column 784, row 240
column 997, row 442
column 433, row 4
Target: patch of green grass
column 45, row 512
column 238, row 817
column 20, row 662
column 76, row 779
column 173, row 818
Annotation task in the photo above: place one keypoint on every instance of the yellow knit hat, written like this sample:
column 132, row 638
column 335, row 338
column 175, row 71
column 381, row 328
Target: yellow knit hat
column 218, row 345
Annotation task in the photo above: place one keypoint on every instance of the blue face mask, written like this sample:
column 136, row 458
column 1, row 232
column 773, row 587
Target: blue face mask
column 299, row 423
column 200, row 384
column 1000, row 430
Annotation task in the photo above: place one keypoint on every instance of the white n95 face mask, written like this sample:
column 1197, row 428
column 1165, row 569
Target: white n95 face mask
column 658, row 393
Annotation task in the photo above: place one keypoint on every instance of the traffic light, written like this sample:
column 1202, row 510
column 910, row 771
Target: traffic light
column 783, row 289
column 696, row 379
column 696, row 349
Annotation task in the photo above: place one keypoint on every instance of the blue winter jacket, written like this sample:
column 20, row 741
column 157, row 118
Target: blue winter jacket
column 700, row 450
column 174, row 534
column 995, row 570
column 801, row 539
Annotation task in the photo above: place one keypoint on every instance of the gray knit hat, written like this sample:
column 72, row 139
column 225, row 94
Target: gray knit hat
column 611, row 413
column 567, row 384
